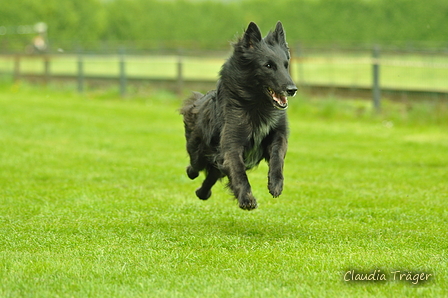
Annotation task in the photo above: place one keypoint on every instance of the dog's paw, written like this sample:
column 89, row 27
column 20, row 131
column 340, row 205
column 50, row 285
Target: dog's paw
column 203, row 195
column 248, row 202
column 192, row 173
column 275, row 188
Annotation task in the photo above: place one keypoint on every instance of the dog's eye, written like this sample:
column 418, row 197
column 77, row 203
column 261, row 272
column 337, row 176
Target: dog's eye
column 270, row 65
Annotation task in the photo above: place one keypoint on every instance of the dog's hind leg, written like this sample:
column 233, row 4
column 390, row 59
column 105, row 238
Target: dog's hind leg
column 204, row 192
column 192, row 173
column 197, row 163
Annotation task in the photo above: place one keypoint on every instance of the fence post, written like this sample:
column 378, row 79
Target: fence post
column 122, row 73
column 180, row 79
column 80, row 73
column 46, row 69
column 299, row 59
column 16, row 68
column 376, row 88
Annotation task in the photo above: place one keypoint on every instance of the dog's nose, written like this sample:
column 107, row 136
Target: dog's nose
column 291, row 90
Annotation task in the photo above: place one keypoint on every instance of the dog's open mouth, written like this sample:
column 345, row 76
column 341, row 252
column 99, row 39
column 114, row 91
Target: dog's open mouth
column 280, row 101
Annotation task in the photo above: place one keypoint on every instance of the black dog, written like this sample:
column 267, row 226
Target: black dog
column 231, row 129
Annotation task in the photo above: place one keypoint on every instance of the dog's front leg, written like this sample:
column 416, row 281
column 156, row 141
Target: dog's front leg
column 232, row 151
column 277, row 152
column 235, row 169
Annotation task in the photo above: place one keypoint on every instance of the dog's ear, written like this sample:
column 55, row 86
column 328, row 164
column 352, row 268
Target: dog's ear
column 280, row 33
column 252, row 36
column 278, row 36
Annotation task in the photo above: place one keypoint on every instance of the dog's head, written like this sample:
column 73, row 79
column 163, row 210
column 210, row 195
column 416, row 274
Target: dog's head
column 269, row 61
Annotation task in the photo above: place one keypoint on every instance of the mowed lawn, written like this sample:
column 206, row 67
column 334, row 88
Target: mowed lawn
column 95, row 202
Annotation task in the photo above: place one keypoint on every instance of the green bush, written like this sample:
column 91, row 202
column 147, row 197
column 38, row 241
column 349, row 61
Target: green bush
column 212, row 24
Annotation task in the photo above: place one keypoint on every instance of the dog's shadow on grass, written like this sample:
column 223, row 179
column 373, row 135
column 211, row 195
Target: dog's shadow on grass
column 260, row 231
column 213, row 221
column 254, row 227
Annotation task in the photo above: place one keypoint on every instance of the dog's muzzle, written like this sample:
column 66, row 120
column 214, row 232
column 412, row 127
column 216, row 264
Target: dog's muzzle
column 280, row 99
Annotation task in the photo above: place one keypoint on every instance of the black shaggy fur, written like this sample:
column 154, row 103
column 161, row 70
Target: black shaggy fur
column 231, row 129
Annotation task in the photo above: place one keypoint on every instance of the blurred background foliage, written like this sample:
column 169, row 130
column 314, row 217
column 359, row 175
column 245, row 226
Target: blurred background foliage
column 157, row 24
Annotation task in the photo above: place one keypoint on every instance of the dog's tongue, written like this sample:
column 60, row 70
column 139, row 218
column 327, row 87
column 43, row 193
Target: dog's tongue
column 282, row 100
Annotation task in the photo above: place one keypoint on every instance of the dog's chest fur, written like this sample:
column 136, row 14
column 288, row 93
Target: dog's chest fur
column 254, row 152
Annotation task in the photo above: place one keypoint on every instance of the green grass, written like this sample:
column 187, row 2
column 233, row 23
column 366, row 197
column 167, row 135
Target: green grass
column 94, row 202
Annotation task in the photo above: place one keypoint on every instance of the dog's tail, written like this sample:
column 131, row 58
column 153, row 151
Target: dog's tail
column 189, row 103
column 189, row 112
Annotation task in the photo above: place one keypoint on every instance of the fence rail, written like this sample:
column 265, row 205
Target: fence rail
column 363, row 74
column 372, row 60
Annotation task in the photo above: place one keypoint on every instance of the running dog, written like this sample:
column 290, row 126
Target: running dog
column 231, row 129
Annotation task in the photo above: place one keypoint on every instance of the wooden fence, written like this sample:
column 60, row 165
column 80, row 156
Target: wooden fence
column 116, row 69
